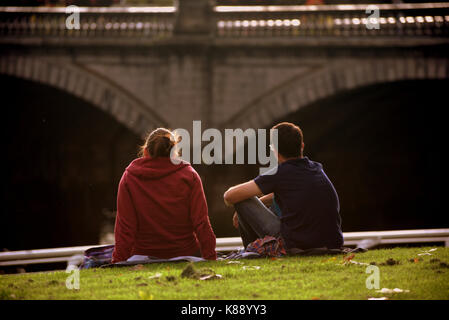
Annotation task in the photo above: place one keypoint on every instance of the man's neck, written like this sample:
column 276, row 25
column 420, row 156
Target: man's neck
column 281, row 159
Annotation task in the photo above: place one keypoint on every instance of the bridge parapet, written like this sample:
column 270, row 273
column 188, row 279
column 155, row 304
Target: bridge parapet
column 274, row 22
column 48, row 22
column 413, row 20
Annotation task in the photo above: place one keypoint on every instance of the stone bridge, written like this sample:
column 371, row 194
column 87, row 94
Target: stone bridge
column 227, row 66
column 230, row 67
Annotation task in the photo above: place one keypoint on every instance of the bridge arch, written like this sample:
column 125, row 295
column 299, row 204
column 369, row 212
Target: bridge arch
column 330, row 79
column 87, row 85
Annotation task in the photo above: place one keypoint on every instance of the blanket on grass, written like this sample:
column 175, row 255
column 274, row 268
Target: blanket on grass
column 260, row 248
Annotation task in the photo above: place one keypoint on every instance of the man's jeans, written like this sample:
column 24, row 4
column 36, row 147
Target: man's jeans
column 256, row 220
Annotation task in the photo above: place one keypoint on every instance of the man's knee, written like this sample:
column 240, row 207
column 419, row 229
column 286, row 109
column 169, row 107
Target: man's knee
column 248, row 205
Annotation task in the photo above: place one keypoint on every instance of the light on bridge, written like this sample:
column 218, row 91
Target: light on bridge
column 410, row 20
column 391, row 20
column 259, row 23
column 355, row 21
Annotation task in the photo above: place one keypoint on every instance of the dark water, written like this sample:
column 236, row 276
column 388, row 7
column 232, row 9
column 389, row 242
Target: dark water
column 382, row 146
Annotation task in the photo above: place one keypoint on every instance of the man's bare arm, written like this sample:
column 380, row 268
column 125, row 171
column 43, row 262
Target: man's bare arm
column 267, row 200
column 241, row 192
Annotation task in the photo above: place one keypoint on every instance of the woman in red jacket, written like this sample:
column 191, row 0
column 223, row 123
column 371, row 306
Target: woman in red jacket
column 161, row 207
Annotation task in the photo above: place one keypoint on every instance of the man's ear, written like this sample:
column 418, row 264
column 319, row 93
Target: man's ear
column 280, row 158
column 302, row 146
column 145, row 153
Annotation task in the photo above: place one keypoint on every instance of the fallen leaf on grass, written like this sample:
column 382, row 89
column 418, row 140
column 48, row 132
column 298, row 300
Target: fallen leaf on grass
column 211, row 277
column 427, row 253
column 250, row 267
column 155, row 276
column 395, row 290
column 359, row 263
column 348, row 258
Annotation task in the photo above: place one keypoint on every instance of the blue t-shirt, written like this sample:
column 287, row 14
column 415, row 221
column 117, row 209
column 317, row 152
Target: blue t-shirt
column 309, row 204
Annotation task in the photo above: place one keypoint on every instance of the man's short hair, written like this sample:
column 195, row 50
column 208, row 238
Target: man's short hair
column 290, row 140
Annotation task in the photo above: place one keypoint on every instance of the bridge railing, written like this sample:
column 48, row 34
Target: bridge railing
column 404, row 20
column 112, row 22
column 333, row 21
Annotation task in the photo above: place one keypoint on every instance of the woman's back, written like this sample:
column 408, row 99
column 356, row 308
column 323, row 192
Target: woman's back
column 162, row 211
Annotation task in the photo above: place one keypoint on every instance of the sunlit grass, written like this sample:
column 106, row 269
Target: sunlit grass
column 323, row 277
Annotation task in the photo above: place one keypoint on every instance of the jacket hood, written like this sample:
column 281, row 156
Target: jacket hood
column 154, row 168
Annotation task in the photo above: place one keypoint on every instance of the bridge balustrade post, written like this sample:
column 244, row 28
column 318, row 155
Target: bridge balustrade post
column 194, row 17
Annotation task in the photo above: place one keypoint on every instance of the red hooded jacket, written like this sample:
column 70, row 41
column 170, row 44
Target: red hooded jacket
column 162, row 212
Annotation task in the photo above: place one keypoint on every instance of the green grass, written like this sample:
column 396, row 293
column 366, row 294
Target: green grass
column 323, row 277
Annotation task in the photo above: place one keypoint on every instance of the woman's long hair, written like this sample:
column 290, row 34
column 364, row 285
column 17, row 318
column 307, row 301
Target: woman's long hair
column 159, row 143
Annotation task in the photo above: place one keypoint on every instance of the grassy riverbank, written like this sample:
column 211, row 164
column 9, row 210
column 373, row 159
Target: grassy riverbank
column 425, row 276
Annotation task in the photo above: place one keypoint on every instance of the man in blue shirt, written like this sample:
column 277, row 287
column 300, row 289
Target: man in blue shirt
column 305, row 205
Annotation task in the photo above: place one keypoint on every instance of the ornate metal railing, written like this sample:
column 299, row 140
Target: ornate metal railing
column 94, row 22
column 333, row 20
column 403, row 20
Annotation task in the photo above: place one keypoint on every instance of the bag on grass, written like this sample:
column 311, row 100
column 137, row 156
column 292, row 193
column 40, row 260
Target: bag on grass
column 97, row 256
column 268, row 247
